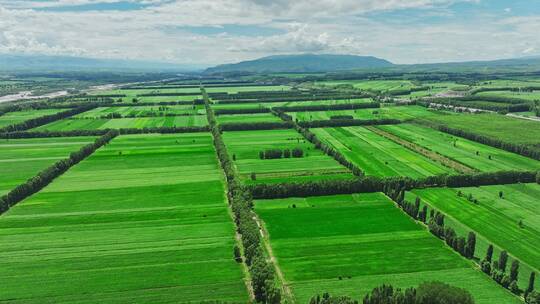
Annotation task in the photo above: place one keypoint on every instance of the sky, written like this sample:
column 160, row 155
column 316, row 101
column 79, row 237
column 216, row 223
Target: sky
column 209, row 32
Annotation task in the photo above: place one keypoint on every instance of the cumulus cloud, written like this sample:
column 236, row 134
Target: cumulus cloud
column 157, row 32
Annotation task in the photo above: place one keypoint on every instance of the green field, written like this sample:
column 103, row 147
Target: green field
column 21, row 159
column 119, row 123
column 376, row 155
column 349, row 244
column 402, row 113
column 463, row 150
column 245, row 147
column 135, row 111
column 126, row 225
column 11, row 118
column 247, row 118
column 511, row 94
column 494, row 219
column 233, row 90
column 494, row 125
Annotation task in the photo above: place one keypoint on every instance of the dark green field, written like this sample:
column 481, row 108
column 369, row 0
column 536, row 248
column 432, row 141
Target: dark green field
column 349, row 244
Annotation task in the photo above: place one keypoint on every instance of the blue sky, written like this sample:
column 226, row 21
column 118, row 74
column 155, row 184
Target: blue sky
column 208, row 32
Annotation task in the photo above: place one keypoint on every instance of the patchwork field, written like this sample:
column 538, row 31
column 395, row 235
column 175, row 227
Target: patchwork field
column 118, row 123
column 126, row 225
column 518, row 203
column 462, row 150
column 378, row 156
column 247, row 118
column 136, row 111
column 493, row 125
column 245, row 146
column 11, row 118
column 349, row 244
column 402, row 113
column 21, row 159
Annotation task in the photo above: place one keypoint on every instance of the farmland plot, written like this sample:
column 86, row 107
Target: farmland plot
column 474, row 155
column 21, row 159
column 519, row 202
column 401, row 112
column 11, row 118
column 126, row 225
column 247, row 118
column 245, row 146
column 136, row 111
column 378, row 156
column 119, row 123
column 349, row 244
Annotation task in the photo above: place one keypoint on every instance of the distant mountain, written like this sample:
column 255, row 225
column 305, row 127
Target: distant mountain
column 68, row 63
column 302, row 63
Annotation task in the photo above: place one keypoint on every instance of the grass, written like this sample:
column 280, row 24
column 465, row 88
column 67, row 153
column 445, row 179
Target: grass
column 510, row 94
column 247, row 118
column 11, row 118
column 494, row 125
column 143, row 110
column 127, row 225
column 376, row 155
column 519, row 202
column 463, row 150
column 246, row 145
column 401, row 112
column 21, row 159
column 366, row 241
column 118, row 123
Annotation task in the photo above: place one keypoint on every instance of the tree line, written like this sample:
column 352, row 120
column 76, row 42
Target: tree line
column 366, row 184
column 281, row 153
column 146, row 130
column 520, row 149
column 465, row 246
column 311, row 137
column 330, row 107
column 46, row 176
column 255, row 126
column 347, row 122
column 426, row 293
column 263, row 277
column 292, row 98
column 241, row 111
column 36, row 122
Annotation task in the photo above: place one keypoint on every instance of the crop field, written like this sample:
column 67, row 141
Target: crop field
column 246, row 145
column 194, row 213
column 127, row 225
column 119, row 123
column 233, row 90
column 377, row 155
column 247, row 118
column 349, row 244
column 21, row 159
column 519, row 202
column 11, row 118
column 463, row 150
column 396, row 112
column 493, row 125
column 535, row 95
column 136, row 111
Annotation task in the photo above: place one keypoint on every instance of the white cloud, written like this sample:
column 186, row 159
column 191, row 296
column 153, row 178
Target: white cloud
column 330, row 26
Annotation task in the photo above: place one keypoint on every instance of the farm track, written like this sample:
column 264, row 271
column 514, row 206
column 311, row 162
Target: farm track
column 445, row 161
column 266, row 240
